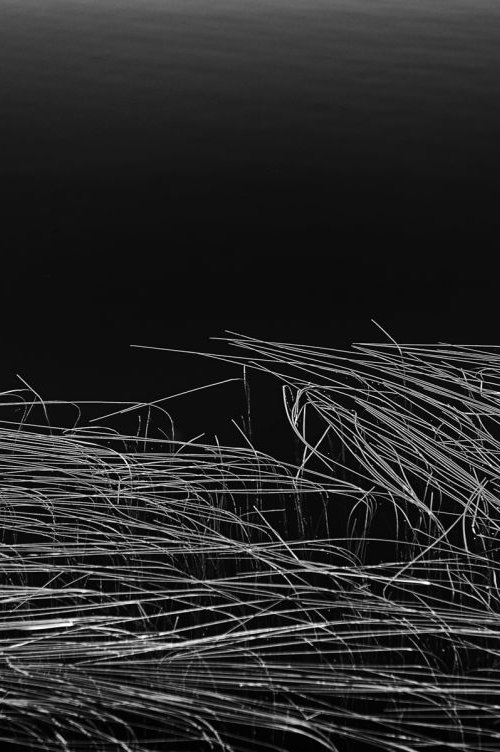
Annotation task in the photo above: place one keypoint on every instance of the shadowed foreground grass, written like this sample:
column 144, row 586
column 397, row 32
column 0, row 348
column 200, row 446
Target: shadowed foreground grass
column 162, row 594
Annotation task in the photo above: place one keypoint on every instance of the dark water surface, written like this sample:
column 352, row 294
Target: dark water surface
column 288, row 165
column 145, row 89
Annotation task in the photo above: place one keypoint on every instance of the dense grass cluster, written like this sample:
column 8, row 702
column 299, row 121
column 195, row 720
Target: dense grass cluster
column 161, row 594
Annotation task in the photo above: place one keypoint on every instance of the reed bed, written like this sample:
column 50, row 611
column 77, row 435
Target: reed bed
column 186, row 595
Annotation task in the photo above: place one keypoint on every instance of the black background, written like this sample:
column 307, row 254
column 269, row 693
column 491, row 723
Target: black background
column 92, row 267
column 288, row 171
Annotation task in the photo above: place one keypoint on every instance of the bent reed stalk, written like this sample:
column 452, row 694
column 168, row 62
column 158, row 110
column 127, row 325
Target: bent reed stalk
column 160, row 594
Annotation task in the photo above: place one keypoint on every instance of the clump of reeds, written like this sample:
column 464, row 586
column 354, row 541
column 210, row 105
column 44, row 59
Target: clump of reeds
column 159, row 594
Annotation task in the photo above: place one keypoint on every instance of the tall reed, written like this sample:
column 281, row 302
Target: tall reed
column 185, row 595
